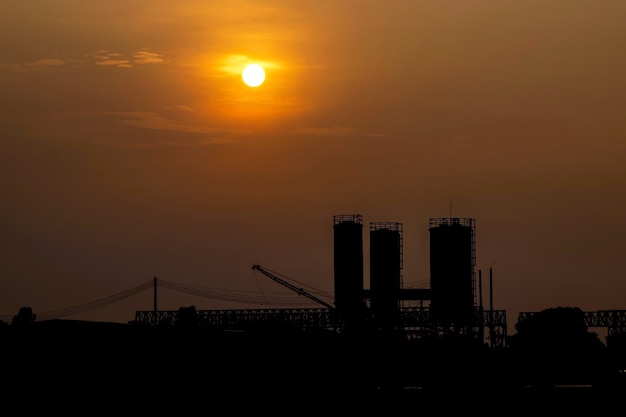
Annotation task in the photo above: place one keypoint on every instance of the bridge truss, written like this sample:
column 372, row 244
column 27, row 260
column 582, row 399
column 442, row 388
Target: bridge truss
column 613, row 320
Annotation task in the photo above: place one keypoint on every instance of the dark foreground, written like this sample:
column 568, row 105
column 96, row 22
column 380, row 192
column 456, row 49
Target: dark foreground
column 118, row 368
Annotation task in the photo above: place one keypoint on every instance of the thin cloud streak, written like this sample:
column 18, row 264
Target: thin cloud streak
column 46, row 62
column 150, row 120
column 340, row 132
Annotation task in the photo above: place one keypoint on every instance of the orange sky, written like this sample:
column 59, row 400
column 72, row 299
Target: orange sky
column 130, row 148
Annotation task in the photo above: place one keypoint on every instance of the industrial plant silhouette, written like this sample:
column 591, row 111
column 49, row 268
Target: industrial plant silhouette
column 378, row 339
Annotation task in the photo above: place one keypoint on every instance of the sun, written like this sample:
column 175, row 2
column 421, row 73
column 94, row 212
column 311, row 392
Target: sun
column 253, row 75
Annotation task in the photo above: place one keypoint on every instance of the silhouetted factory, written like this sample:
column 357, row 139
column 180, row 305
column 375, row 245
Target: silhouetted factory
column 450, row 306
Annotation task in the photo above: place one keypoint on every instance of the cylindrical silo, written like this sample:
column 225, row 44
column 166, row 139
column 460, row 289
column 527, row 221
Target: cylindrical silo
column 452, row 277
column 348, row 265
column 385, row 272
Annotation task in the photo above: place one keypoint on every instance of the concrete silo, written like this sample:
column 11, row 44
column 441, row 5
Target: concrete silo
column 385, row 273
column 348, row 267
column 452, row 276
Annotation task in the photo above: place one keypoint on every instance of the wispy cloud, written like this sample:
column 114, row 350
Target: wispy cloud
column 234, row 64
column 144, row 56
column 338, row 131
column 46, row 62
column 107, row 58
column 146, row 129
column 103, row 57
column 179, row 107
column 33, row 65
column 151, row 120
column 141, row 57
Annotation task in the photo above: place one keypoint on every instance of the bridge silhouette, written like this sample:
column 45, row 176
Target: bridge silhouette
column 285, row 310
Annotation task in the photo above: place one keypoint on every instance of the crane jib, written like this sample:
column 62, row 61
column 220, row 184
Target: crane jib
column 300, row 291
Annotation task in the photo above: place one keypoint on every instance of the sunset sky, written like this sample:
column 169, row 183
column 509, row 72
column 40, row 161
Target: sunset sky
column 130, row 147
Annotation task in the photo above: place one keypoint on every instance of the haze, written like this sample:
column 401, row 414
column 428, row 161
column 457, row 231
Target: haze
column 130, row 148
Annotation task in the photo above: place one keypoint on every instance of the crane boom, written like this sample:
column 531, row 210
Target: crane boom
column 300, row 291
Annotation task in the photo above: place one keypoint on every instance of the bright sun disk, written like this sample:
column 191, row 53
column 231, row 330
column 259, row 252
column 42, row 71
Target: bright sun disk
column 253, row 75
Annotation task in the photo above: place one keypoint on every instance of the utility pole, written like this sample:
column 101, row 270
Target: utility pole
column 492, row 333
column 155, row 300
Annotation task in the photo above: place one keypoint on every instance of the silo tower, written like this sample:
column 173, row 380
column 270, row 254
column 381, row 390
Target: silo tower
column 385, row 273
column 452, row 276
column 348, row 267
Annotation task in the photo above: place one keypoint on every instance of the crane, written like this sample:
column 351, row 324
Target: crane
column 292, row 287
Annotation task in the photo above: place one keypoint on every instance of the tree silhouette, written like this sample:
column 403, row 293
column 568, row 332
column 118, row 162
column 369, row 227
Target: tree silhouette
column 24, row 317
column 554, row 347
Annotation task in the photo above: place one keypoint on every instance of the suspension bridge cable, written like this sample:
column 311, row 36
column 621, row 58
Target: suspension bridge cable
column 225, row 295
column 68, row 311
column 245, row 297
